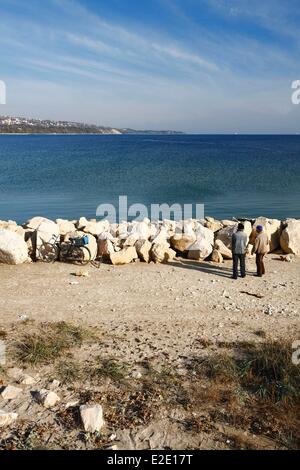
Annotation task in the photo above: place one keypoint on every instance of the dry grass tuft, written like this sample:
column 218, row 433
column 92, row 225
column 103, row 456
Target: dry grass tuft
column 49, row 342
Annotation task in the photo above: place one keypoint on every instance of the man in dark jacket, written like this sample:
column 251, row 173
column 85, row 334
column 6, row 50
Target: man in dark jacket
column 239, row 247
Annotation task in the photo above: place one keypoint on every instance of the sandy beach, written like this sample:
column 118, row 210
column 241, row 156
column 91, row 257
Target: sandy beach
column 163, row 315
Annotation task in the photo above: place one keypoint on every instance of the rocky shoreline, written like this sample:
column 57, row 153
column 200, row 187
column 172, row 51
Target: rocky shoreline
column 159, row 242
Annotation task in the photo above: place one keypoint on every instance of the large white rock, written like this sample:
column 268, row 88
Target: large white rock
column 105, row 248
column 82, row 222
column 92, row 417
column 6, row 418
column 216, row 257
column 142, row 229
column 96, row 228
column 162, row 253
column 65, row 226
column 203, row 246
column 13, row 227
column 227, row 223
column 124, row 256
column 46, row 232
column 106, row 236
column 223, row 250
column 123, row 231
column 271, row 228
column 182, row 242
column 290, row 237
column 225, row 235
column 204, row 233
column 13, row 248
column 143, row 248
column 161, row 235
column 213, row 224
column 34, row 223
column 170, row 225
column 200, row 250
column 131, row 240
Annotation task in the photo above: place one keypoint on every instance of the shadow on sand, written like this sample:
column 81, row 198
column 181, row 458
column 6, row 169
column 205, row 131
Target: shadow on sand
column 205, row 267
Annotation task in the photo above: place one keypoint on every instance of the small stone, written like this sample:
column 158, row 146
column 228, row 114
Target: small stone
column 15, row 373
column 54, row 384
column 27, row 380
column 23, row 318
column 10, row 392
column 47, row 398
column 82, row 274
column 72, row 404
column 136, row 375
column 7, row 418
column 92, row 417
column 269, row 310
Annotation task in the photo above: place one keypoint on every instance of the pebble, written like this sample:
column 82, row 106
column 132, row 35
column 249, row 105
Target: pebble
column 48, row 398
column 92, row 417
column 10, row 392
column 7, row 418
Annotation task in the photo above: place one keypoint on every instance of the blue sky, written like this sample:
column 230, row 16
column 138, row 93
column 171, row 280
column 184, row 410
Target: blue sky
column 204, row 66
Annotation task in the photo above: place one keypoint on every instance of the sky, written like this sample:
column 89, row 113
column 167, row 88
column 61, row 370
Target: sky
column 199, row 66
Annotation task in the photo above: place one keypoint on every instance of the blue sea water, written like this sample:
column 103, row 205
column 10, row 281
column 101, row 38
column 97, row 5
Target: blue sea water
column 69, row 176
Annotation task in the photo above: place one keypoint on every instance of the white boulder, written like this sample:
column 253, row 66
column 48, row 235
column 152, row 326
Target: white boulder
column 271, row 228
column 290, row 237
column 13, row 227
column 225, row 235
column 143, row 248
column 142, row 229
column 13, row 248
column 223, row 250
column 105, row 248
column 200, row 250
column 203, row 246
column 34, row 223
column 124, row 256
column 96, row 228
column 161, row 235
column 216, row 257
column 162, row 253
column 46, row 232
column 227, row 223
column 65, row 226
column 213, row 224
column 182, row 242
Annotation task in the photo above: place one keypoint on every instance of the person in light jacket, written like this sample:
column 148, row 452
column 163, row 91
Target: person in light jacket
column 239, row 248
column 261, row 248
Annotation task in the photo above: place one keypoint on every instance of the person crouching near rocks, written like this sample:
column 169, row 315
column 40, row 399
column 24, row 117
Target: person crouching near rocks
column 239, row 248
column 261, row 248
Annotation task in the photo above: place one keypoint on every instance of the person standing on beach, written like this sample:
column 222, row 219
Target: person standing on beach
column 261, row 248
column 239, row 247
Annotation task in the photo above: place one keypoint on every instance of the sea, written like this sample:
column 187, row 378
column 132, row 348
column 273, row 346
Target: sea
column 69, row 176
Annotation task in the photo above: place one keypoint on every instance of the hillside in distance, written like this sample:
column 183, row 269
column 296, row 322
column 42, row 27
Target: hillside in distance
column 21, row 125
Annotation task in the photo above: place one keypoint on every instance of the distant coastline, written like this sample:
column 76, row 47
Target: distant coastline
column 27, row 126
